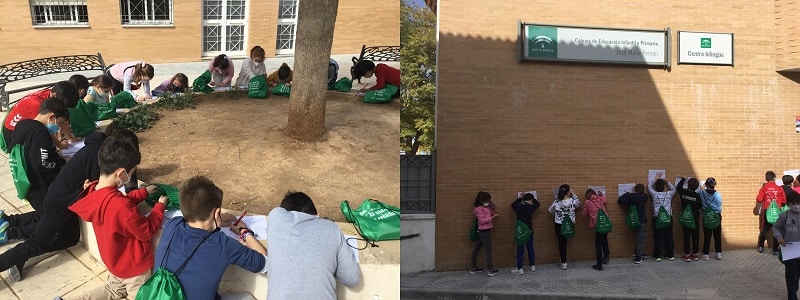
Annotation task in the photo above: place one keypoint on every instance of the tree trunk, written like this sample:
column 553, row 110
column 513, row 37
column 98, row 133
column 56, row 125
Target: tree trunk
column 315, row 22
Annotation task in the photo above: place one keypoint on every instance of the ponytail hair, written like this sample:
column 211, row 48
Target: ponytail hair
column 142, row 70
column 221, row 62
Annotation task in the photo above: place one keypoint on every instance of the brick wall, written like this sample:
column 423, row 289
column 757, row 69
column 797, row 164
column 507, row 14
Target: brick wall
column 787, row 45
column 505, row 126
column 356, row 25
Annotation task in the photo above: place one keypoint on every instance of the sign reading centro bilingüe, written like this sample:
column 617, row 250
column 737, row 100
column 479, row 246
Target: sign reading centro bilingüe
column 705, row 48
column 594, row 45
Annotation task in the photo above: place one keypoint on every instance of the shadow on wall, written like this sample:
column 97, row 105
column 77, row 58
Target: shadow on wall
column 506, row 127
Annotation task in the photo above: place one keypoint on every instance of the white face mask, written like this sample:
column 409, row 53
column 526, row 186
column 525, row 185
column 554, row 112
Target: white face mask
column 795, row 208
column 486, row 204
column 100, row 92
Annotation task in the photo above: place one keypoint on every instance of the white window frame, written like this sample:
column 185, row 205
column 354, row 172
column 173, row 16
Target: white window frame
column 223, row 23
column 48, row 13
column 286, row 21
column 148, row 15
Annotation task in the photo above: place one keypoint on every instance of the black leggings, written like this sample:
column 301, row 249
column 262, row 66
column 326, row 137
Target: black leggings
column 485, row 239
column 58, row 228
column 717, row 233
column 562, row 243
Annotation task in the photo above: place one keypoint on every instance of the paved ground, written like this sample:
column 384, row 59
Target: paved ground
column 742, row 274
column 73, row 271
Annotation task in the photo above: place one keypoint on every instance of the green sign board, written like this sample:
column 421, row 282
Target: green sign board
column 705, row 42
column 542, row 41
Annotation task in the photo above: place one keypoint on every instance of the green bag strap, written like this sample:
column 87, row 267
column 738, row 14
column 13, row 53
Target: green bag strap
column 357, row 226
column 183, row 265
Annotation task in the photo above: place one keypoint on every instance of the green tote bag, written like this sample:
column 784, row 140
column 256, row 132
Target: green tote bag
column 687, row 217
column 521, row 233
column 632, row 218
column 374, row 220
column 19, row 171
column 663, row 219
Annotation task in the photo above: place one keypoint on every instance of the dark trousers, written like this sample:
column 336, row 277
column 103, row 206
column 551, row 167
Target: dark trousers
column 22, row 226
column 7, row 137
column 57, row 229
column 717, row 233
column 562, row 243
column 521, row 253
column 601, row 247
column 692, row 235
column 762, row 236
column 792, row 270
column 664, row 241
column 641, row 235
column 485, row 239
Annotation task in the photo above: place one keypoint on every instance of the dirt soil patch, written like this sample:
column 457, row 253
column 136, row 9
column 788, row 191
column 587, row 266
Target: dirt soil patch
column 239, row 143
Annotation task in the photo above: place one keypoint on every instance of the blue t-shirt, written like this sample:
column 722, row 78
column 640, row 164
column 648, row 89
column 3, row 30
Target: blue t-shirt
column 201, row 276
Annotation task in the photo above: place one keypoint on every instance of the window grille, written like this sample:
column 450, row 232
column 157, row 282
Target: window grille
column 59, row 12
column 146, row 12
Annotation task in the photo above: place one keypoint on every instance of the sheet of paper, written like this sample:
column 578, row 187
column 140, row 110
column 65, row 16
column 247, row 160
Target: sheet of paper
column 598, row 188
column 258, row 224
column 555, row 193
column 794, row 172
column 72, row 149
column 790, row 251
column 519, row 194
column 221, row 88
column 651, row 174
column 623, row 188
column 353, row 242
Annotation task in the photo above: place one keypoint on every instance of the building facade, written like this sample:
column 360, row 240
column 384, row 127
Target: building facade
column 163, row 31
column 506, row 125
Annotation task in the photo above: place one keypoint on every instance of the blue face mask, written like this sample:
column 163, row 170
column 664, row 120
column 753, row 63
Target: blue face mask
column 52, row 128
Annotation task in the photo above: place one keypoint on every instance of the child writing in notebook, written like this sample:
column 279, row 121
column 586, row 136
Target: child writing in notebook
column 130, row 76
column 176, row 84
column 221, row 68
column 252, row 66
column 100, row 89
column 282, row 75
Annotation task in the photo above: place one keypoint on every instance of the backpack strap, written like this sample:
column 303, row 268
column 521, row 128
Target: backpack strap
column 183, row 265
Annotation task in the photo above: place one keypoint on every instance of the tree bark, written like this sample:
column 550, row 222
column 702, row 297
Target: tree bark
column 315, row 22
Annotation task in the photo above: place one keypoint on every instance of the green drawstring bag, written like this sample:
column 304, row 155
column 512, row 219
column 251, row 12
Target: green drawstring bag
column 257, row 87
column 19, row 171
column 383, row 95
column 281, row 90
column 164, row 285
column 121, row 100
column 687, row 217
column 200, row 84
column 374, row 220
column 101, row 111
column 521, row 233
column 473, row 232
column 567, row 227
column 710, row 218
column 784, row 208
column 632, row 218
column 171, row 192
column 342, row 85
column 773, row 212
column 81, row 121
column 3, row 145
column 603, row 224
column 663, row 219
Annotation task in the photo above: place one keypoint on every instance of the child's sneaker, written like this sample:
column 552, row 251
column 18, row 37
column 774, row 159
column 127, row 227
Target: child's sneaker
column 533, row 268
column 657, row 258
column 686, row 258
column 517, row 271
column 475, row 270
column 705, row 257
column 597, row 267
column 671, row 258
column 14, row 273
column 563, row 266
column 774, row 252
column 493, row 272
column 760, row 249
column 719, row 255
column 695, row 257
column 606, row 260
column 637, row 260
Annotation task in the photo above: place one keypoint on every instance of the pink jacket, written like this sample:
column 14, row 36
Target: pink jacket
column 593, row 204
column 228, row 73
column 484, row 215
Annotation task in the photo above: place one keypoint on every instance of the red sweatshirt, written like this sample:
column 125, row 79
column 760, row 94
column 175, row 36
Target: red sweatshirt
column 771, row 191
column 27, row 108
column 123, row 235
column 384, row 75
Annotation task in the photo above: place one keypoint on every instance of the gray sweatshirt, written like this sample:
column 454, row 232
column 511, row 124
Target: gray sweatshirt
column 787, row 227
column 305, row 257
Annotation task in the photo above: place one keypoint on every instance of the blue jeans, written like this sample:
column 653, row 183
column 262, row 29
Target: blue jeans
column 521, row 253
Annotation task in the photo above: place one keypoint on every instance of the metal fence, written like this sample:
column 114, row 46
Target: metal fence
column 418, row 184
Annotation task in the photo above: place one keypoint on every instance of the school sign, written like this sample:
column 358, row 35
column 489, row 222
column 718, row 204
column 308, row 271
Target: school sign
column 705, row 48
column 594, row 45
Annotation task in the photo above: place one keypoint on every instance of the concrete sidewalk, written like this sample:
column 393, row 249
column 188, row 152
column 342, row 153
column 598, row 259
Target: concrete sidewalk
column 741, row 274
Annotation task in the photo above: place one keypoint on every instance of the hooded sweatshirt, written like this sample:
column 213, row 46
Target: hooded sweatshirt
column 592, row 206
column 661, row 199
column 82, row 166
column 384, row 74
column 712, row 198
column 787, row 227
column 770, row 192
column 123, row 235
column 524, row 211
column 564, row 208
column 635, row 199
column 306, row 256
column 688, row 197
column 43, row 161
